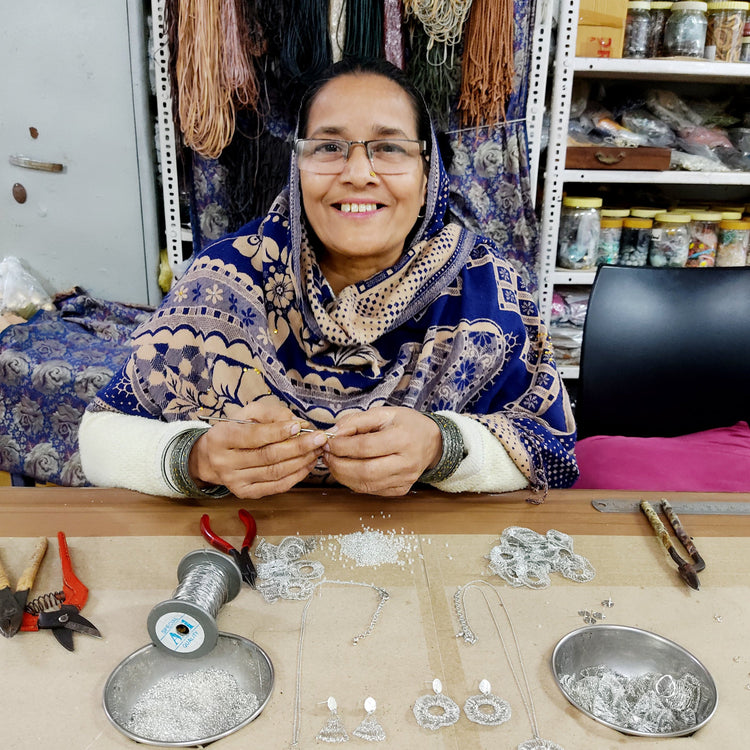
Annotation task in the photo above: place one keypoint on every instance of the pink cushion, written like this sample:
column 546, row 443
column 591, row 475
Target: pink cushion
column 715, row 460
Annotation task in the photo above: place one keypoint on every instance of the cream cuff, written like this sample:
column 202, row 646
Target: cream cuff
column 120, row 450
column 487, row 466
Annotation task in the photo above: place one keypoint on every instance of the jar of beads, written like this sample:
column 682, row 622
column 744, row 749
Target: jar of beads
column 579, row 232
column 660, row 11
column 635, row 241
column 608, row 248
column 704, row 238
column 685, row 30
column 734, row 243
column 637, row 29
column 745, row 49
column 726, row 24
column 670, row 240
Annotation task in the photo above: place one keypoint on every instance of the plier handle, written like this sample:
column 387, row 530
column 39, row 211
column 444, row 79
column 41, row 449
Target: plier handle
column 241, row 556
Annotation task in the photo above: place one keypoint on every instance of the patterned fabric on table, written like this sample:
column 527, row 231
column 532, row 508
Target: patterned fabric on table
column 449, row 327
column 50, row 368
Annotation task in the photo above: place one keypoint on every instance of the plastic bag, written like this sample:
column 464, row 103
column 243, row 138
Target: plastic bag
column 20, row 292
column 641, row 121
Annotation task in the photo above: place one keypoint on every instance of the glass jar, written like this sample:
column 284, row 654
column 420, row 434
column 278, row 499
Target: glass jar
column 637, row 29
column 685, row 30
column 726, row 24
column 644, row 212
column 579, row 232
column 608, row 249
column 745, row 49
column 635, row 241
column 704, row 238
column 670, row 240
column 659, row 14
column 734, row 243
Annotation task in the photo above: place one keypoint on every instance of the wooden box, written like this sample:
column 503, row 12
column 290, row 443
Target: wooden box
column 611, row 157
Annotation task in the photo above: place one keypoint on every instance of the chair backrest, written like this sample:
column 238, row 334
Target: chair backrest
column 666, row 351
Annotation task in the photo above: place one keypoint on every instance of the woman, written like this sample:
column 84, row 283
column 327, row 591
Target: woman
column 362, row 341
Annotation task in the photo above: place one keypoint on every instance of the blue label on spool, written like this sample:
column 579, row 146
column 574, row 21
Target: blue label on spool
column 179, row 632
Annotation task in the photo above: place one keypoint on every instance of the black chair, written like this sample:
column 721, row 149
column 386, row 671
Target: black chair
column 666, row 351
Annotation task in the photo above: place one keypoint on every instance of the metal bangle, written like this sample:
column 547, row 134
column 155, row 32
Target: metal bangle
column 177, row 473
column 453, row 450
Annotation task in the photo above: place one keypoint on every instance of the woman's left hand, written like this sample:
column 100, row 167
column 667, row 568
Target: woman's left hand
column 384, row 450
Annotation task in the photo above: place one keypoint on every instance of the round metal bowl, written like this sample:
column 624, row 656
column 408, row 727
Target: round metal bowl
column 631, row 652
column 245, row 660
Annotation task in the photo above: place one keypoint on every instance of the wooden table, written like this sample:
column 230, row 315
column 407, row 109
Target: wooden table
column 126, row 547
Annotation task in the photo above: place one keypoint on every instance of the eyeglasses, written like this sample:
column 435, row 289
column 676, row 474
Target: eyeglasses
column 387, row 156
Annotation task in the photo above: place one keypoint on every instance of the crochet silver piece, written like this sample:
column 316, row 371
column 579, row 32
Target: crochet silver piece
column 475, row 706
column 369, row 728
column 537, row 743
column 449, row 714
column 651, row 703
column 282, row 571
column 333, row 731
column 526, row 558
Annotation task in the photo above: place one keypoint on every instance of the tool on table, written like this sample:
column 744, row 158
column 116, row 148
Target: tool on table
column 697, row 508
column 12, row 603
column 687, row 571
column 253, row 421
column 47, row 612
column 241, row 557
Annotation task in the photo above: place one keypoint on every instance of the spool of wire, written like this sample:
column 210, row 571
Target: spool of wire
column 185, row 625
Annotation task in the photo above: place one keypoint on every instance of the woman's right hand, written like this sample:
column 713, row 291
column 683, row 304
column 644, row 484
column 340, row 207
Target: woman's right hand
column 256, row 460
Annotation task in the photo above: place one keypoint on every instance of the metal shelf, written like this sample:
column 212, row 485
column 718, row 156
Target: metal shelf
column 673, row 177
column 564, row 276
column 667, row 69
column 569, row 372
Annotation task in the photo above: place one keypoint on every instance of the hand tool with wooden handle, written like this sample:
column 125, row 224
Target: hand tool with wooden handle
column 12, row 604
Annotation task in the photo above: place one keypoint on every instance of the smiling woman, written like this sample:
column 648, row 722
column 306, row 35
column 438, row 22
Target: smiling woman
column 409, row 346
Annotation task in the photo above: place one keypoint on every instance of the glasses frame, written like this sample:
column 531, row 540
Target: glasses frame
column 299, row 142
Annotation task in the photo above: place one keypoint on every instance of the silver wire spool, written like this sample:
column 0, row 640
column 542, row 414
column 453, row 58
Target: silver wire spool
column 185, row 625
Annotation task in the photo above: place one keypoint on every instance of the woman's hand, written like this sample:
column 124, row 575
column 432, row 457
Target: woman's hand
column 256, row 460
column 383, row 451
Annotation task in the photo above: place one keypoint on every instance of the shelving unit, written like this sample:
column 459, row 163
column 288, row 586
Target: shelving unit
column 567, row 68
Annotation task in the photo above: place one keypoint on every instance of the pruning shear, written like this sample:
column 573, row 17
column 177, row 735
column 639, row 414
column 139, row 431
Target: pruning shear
column 47, row 612
column 242, row 556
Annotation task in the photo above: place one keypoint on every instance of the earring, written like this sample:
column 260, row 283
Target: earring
column 425, row 718
column 473, row 708
column 369, row 728
column 334, row 730
column 422, row 212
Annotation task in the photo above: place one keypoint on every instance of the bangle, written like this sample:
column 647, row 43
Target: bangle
column 453, row 450
column 175, row 467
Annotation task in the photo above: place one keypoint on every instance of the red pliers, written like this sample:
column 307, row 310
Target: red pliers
column 242, row 556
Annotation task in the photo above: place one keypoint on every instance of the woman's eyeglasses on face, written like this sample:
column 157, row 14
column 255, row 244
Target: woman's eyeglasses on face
column 386, row 155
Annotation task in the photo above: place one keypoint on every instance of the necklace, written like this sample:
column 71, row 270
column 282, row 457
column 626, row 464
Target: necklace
column 383, row 597
column 536, row 743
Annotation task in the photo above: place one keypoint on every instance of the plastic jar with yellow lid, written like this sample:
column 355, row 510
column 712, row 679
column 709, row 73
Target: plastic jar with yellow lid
column 635, row 241
column 578, row 237
column 734, row 243
column 645, row 212
column 660, row 11
column 637, row 29
column 670, row 240
column 685, row 30
column 745, row 49
column 704, row 238
column 608, row 249
column 726, row 24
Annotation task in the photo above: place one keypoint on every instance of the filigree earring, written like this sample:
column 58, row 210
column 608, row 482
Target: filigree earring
column 425, row 718
column 475, row 704
column 334, row 730
column 369, row 728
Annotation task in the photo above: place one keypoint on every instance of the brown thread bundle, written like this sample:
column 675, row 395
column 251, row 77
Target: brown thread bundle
column 242, row 43
column 487, row 68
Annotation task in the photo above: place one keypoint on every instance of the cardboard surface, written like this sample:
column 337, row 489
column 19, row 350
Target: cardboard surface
column 599, row 41
column 53, row 698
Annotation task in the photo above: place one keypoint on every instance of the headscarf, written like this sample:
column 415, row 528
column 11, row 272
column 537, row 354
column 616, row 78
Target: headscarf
column 450, row 326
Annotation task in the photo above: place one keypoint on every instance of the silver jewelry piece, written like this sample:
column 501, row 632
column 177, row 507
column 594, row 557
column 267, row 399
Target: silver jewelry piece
column 369, row 728
column 473, row 708
column 426, row 719
column 537, row 743
column 334, row 730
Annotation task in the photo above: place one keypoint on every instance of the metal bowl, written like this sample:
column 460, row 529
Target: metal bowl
column 631, row 652
column 245, row 660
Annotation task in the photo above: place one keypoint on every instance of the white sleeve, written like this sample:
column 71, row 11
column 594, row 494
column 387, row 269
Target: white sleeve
column 487, row 466
column 120, row 450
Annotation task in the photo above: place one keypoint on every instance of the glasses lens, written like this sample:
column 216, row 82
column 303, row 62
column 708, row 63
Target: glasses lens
column 321, row 156
column 328, row 156
column 394, row 156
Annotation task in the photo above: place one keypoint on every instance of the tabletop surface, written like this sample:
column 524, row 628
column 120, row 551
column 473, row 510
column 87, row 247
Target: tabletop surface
column 126, row 548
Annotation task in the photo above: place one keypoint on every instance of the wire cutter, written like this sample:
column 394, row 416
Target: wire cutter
column 241, row 557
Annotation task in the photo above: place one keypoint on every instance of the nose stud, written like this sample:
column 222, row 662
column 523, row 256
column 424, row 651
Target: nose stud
column 372, row 174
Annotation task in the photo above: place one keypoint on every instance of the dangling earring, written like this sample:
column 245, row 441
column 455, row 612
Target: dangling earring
column 473, row 707
column 422, row 707
column 369, row 728
column 334, row 730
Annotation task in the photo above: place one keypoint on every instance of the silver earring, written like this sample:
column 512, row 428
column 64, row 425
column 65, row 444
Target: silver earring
column 473, row 708
column 450, row 710
column 334, row 730
column 369, row 728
